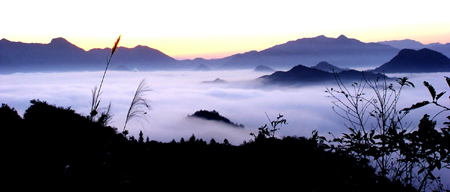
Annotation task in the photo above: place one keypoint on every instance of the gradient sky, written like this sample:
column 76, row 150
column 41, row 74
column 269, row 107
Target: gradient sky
column 214, row 29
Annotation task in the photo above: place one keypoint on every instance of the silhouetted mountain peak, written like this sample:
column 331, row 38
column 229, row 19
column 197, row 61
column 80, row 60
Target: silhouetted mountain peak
column 214, row 116
column 216, row 81
column 325, row 66
column 59, row 41
column 202, row 67
column 263, row 68
column 4, row 40
column 423, row 60
column 302, row 75
column 342, row 37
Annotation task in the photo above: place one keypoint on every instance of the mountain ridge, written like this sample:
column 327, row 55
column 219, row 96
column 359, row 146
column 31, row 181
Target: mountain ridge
column 423, row 60
column 61, row 55
column 303, row 75
column 343, row 51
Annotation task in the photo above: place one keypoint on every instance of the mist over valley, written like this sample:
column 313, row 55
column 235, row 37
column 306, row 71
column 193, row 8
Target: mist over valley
column 233, row 99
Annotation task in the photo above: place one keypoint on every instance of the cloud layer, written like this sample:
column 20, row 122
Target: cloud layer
column 174, row 95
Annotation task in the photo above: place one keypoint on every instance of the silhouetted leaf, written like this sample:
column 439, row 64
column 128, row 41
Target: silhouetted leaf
column 448, row 80
column 430, row 89
column 415, row 106
column 421, row 170
column 439, row 95
column 404, row 81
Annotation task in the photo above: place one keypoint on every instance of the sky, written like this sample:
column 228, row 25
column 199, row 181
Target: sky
column 215, row 29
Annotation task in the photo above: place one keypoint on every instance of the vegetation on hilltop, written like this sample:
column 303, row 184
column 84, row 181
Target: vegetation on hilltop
column 55, row 149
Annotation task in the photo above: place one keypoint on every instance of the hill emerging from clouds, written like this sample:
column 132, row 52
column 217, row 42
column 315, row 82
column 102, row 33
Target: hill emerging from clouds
column 301, row 75
column 412, row 61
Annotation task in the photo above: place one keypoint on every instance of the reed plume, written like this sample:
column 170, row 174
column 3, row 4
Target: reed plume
column 139, row 105
column 96, row 92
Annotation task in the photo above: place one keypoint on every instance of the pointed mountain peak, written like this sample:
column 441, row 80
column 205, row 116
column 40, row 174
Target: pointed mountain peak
column 59, row 40
column 342, row 37
column 4, row 41
column 325, row 66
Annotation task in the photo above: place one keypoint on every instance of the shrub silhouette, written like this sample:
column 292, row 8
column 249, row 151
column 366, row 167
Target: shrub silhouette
column 66, row 151
column 403, row 154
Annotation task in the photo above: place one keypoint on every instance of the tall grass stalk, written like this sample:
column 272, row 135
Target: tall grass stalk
column 139, row 105
column 96, row 92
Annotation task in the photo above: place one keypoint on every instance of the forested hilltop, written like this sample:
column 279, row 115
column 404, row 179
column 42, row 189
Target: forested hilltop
column 55, row 149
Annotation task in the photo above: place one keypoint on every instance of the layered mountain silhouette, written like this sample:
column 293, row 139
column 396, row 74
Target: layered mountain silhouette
column 56, row 55
column 341, row 51
column 412, row 44
column 412, row 61
column 61, row 55
column 302, row 75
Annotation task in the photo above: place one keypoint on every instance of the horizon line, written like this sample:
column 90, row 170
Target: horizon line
column 212, row 55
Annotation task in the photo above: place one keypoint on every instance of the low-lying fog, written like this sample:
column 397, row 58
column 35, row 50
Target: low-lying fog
column 174, row 95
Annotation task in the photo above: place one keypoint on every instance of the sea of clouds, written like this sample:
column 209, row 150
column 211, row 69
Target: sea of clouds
column 176, row 94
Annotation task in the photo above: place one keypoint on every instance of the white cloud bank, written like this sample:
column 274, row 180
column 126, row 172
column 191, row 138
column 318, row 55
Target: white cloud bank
column 174, row 95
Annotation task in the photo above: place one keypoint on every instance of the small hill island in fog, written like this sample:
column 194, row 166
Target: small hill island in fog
column 214, row 116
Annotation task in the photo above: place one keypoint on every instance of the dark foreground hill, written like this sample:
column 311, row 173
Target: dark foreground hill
column 412, row 61
column 55, row 149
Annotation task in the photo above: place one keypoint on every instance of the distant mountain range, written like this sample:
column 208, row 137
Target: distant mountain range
column 412, row 44
column 342, row 51
column 61, row 55
column 406, row 61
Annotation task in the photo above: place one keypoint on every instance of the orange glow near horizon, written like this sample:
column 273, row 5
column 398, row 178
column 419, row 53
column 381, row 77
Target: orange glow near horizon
column 215, row 29
column 214, row 47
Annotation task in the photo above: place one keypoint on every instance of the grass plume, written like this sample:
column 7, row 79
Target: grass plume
column 139, row 105
column 96, row 92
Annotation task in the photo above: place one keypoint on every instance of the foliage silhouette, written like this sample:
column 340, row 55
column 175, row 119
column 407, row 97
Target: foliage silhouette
column 65, row 151
column 401, row 154
column 265, row 132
